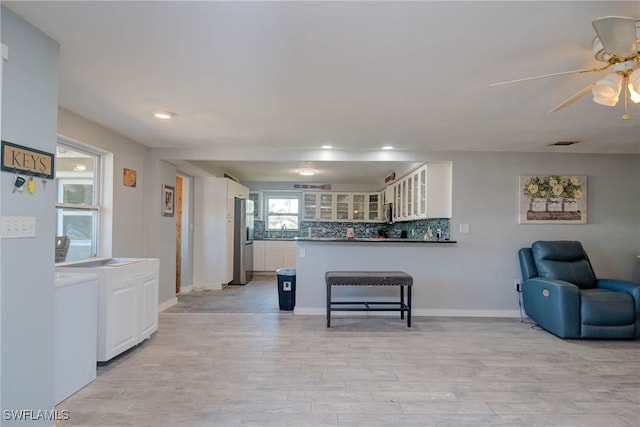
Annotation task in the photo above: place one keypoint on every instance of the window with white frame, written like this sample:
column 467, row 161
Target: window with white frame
column 78, row 202
column 283, row 212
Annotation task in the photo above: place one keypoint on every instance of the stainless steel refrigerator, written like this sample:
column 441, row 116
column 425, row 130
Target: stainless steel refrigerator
column 242, row 242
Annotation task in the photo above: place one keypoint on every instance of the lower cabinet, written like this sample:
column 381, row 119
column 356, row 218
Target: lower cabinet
column 274, row 254
column 127, row 301
column 127, row 314
column 148, row 306
column 117, row 318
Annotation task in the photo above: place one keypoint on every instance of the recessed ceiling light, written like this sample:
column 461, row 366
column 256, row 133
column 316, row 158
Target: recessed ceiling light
column 307, row 171
column 387, row 147
column 164, row 115
column 327, row 147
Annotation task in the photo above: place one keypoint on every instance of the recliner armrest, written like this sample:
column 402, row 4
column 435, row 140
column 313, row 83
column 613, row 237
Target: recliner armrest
column 554, row 305
column 560, row 285
column 632, row 288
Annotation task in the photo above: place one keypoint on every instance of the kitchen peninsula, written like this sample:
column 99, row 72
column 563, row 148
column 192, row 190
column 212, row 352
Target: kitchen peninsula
column 422, row 259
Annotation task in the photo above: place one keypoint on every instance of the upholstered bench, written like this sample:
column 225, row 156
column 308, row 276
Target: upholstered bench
column 369, row 278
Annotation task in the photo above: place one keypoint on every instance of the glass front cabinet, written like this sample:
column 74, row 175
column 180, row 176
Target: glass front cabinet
column 325, row 206
column 424, row 193
column 256, row 196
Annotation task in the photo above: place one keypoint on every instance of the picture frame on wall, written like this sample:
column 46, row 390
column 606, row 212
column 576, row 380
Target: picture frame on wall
column 553, row 199
column 168, row 200
column 129, row 177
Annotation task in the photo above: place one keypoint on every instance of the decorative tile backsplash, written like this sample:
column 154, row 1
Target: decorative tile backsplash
column 414, row 229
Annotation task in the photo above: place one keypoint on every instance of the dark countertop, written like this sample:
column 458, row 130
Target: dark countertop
column 370, row 240
column 276, row 239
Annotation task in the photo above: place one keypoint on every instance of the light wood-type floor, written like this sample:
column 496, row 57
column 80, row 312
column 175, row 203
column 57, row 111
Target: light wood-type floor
column 230, row 358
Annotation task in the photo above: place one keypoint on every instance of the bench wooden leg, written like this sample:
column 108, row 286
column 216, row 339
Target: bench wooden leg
column 328, row 306
column 408, row 306
column 401, row 302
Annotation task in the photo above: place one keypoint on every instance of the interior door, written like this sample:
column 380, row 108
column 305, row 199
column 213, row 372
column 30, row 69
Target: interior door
column 178, row 216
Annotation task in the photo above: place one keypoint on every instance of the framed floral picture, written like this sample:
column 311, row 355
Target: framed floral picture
column 168, row 200
column 553, row 199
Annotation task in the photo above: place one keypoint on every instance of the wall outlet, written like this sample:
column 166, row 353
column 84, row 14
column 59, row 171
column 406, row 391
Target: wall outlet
column 517, row 284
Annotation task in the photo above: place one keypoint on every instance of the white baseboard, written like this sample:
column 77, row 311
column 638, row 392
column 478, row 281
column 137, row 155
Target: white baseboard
column 314, row 311
column 169, row 303
column 209, row 286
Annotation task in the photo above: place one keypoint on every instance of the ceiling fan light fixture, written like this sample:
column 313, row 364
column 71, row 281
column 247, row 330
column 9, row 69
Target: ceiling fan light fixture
column 608, row 87
column 633, row 95
column 608, row 102
column 607, row 90
column 634, row 80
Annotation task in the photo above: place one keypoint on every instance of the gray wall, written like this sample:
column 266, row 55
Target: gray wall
column 127, row 210
column 139, row 229
column 485, row 188
column 29, row 115
column 475, row 277
column 160, row 231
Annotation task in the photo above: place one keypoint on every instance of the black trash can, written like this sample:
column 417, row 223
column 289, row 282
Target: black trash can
column 286, row 288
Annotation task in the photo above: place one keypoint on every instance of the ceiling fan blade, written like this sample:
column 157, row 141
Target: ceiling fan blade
column 618, row 35
column 586, row 70
column 574, row 98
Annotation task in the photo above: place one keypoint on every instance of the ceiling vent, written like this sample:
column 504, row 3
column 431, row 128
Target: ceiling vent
column 562, row 143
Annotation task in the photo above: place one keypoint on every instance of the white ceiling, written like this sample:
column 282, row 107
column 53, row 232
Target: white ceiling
column 260, row 86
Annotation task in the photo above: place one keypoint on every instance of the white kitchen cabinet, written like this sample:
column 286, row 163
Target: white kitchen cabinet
column 127, row 301
column 117, row 318
column 148, row 305
column 326, row 206
column 256, row 197
column 129, row 314
column 424, row 193
column 374, row 206
column 279, row 254
column 310, row 209
column 318, row 206
column 258, row 255
column 338, row 206
column 213, row 230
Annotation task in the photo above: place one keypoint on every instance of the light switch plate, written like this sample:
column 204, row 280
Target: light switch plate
column 18, row 227
column 464, row 228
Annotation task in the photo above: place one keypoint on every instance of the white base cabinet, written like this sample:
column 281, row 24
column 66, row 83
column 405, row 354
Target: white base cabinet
column 274, row 254
column 127, row 301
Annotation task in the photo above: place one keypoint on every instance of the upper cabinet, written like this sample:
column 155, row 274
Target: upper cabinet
column 338, row 206
column 421, row 194
column 424, row 193
column 256, row 196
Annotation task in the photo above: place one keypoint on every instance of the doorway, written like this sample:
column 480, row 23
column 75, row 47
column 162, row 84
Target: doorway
column 183, row 234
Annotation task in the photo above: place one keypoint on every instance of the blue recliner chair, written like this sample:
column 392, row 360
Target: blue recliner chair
column 560, row 292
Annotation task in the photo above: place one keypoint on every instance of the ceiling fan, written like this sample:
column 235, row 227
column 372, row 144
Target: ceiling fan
column 617, row 42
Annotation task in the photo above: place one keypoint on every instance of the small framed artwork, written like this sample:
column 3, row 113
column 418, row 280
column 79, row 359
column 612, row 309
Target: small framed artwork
column 129, row 177
column 553, row 199
column 168, row 200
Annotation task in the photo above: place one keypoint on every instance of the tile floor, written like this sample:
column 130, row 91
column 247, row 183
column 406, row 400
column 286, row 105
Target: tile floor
column 230, row 358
